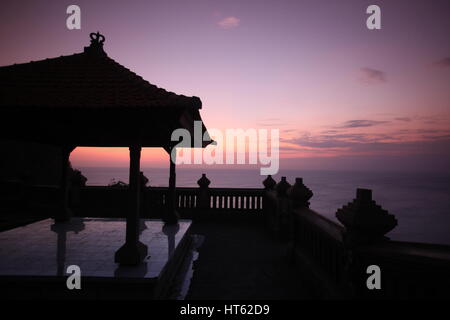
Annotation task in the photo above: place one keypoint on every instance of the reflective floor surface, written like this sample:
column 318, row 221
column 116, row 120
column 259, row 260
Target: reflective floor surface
column 44, row 248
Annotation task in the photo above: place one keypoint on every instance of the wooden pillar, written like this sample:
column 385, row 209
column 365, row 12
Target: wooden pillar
column 64, row 213
column 171, row 215
column 133, row 251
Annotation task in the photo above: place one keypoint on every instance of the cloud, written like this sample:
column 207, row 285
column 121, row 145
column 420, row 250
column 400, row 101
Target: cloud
column 398, row 149
column 360, row 124
column 340, row 147
column 372, row 76
column 412, row 142
column 443, row 62
column 404, row 119
column 229, row 22
column 330, row 131
column 434, row 119
column 335, row 141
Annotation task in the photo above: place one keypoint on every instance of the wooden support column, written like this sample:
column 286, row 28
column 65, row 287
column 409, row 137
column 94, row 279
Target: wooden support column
column 64, row 213
column 133, row 251
column 170, row 215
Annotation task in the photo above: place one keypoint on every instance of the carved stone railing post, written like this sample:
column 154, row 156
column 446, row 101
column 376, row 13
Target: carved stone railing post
column 145, row 199
column 269, row 205
column 299, row 196
column 64, row 213
column 283, row 207
column 366, row 224
column 365, row 221
column 203, row 195
column 269, row 183
column 77, row 182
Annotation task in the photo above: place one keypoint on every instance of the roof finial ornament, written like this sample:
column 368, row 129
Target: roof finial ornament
column 96, row 46
column 97, row 38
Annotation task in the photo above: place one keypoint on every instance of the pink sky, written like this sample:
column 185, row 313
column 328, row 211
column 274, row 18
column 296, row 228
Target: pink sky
column 342, row 96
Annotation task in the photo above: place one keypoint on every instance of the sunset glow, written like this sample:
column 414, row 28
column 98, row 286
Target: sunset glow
column 340, row 94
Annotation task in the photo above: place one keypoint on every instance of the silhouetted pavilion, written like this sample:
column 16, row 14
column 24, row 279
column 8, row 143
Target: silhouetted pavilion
column 88, row 99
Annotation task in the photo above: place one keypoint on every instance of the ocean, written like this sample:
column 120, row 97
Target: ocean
column 420, row 201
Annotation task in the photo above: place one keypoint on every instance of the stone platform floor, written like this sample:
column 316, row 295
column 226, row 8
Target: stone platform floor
column 47, row 249
column 236, row 260
column 243, row 261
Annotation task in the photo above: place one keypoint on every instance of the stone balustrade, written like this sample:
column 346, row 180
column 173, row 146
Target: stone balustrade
column 332, row 256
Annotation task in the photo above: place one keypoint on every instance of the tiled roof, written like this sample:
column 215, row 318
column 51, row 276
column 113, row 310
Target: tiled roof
column 88, row 99
column 88, row 79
